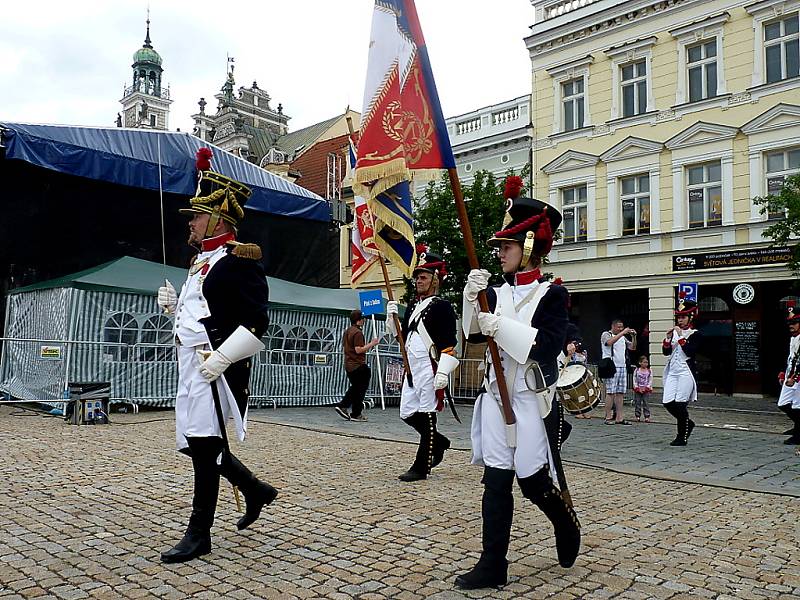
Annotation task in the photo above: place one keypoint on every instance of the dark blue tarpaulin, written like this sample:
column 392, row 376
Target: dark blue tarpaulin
column 132, row 157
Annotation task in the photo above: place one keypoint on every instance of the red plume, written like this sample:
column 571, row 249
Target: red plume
column 791, row 304
column 203, row 162
column 682, row 295
column 421, row 248
column 558, row 281
column 513, row 187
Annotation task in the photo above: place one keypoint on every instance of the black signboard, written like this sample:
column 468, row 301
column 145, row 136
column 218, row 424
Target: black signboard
column 746, row 336
column 774, row 185
column 731, row 258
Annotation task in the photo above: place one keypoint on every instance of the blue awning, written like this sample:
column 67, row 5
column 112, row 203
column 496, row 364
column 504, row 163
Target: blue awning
column 132, row 157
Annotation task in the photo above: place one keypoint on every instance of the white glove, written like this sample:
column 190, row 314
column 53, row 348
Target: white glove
column 447, row 364
column 212, row 364
column 440, row 381
column 477, row 280
column 488, row 323
column 167, row 297
column 392, row 308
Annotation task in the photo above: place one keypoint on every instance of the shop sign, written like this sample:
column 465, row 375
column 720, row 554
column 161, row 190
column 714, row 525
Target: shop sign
column 744, row 293
column 731, row 258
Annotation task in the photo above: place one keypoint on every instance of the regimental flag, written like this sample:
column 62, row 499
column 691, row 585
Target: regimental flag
column 365, row 253
column 403, row 134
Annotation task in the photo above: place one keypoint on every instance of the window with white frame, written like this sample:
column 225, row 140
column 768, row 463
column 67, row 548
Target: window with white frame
column 574, row 209
column 572, row 101
column 633, row 79
column 780, row 165
column 635, row 198
column 701, row 64
column 705, row 194
column 782, row 48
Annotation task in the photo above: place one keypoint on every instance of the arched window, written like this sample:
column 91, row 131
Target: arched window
column 322, row 340
column 157, row 333
column 120, row 328
column 712, row 304
column 274, row 338
column 297, row 343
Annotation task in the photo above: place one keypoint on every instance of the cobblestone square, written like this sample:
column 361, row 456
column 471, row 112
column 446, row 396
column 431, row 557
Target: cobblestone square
column 85, row 512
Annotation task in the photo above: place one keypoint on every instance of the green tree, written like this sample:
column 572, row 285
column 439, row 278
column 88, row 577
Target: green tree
column 436, row 224
column 782, row 232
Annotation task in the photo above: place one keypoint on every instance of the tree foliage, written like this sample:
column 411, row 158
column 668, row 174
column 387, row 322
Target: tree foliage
column 783, row 231
column 436, row 225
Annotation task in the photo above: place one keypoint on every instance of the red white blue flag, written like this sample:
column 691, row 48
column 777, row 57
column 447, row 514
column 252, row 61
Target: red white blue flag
column 362, row 246
column 403, row 135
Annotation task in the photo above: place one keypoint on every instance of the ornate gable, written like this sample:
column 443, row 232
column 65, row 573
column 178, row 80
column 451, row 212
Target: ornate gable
column 570, row 161
column 631, row 147
column 701, row 133
column 777, row 117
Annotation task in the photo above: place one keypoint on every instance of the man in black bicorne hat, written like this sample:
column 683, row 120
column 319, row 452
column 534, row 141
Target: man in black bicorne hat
column 220, row 316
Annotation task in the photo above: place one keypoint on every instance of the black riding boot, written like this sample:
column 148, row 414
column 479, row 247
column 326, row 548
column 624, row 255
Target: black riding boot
column 497, row 510
column 787, row 410
column 425, row 425
column 539, row 489
column 685, row 424
column 257, row 494
column 197, row 539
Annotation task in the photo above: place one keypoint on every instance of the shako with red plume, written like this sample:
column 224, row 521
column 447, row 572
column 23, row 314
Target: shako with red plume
column 429, row 262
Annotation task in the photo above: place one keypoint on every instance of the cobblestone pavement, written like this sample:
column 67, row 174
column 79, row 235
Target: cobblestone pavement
column 741, row 450
column 85, row 511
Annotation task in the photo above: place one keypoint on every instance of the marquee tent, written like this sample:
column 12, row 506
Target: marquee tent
column 103, row 325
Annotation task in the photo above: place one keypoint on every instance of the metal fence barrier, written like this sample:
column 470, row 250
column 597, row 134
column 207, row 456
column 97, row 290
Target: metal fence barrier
column 40, row 370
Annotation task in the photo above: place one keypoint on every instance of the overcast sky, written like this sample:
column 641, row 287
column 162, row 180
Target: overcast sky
column 67, row 62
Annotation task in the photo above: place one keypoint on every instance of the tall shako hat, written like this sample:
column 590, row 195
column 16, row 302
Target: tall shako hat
column 430, row 263
column 528, row 221
column 217, row 195
column 686, row 307
column 792, row 315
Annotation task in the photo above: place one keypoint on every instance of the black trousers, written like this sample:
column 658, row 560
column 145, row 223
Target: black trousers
column 354, row 396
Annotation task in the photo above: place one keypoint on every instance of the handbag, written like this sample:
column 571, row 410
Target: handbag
column 606, row 369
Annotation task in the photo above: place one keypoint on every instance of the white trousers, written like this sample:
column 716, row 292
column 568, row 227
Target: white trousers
column 422, row 397
column 679, row 387
column 195, row 415
column 790, row 395
column 489, row 447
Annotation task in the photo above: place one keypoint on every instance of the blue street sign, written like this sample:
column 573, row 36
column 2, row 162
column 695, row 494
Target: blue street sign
column 690, row 289
column 371, row 302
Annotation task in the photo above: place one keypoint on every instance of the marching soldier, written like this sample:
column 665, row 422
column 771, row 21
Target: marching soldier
column 789, row 399
column 528, row 321
column 220, row 316
column 680, row 387
column 429, row 332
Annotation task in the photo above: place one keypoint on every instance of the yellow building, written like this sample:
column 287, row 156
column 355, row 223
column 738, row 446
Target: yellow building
column 655, row 123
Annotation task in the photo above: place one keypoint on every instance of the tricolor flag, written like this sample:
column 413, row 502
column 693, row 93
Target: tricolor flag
column 365, row 253
column 403, row 134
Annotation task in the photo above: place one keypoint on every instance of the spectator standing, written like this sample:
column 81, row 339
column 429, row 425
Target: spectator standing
column 355, row 364
column 613, row 346
column 642, row 388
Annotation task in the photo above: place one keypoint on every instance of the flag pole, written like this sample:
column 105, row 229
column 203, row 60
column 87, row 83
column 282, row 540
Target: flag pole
column 483, row 302
column 387, row 284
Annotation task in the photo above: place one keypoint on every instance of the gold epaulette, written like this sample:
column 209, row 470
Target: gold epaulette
column 252, row 251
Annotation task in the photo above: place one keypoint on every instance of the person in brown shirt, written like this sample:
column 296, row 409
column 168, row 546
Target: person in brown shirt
column 355, row 364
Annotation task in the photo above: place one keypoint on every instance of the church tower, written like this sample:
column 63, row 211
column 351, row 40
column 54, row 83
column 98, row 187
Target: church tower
column 146, row 103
